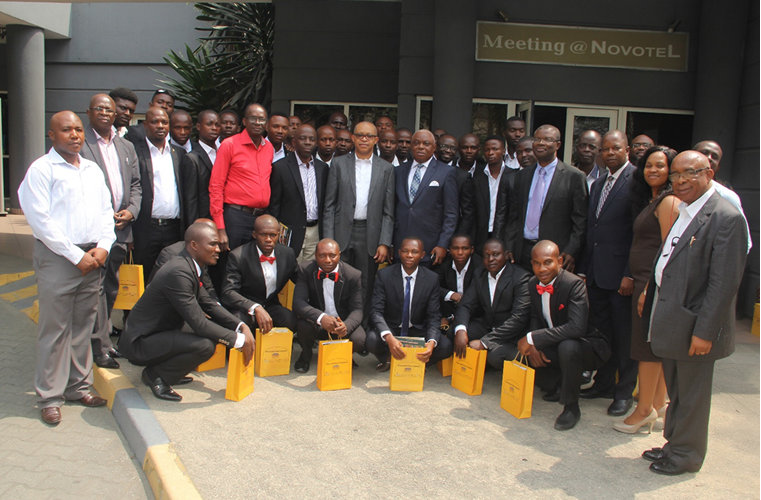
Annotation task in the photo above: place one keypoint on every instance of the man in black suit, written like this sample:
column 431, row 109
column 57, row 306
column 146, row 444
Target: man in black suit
column 426, row 200
column 469, row 147
column 494, row 310
column 550, row 203
column 152, row 336
column 256, row 272
column 446, row 150
column 406, row 303
column 278, row 126
column 515, row 130
column 117, row 159
column 126, row 103
column 161, row 99
column 561, row 343
column 605, row 265
column 180, row 127
column 161, row 211
column 326, row 144
column 492, row 183
column 297, row 185
column 690, row 307
column 197, row 164
column 328, row 301
column 456, row 274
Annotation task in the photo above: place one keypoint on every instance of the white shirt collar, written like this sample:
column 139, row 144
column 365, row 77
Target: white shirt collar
column 423, row 164
column 464, row 268
column 496, row 278
column 107, row 140
column 693, row 208
column 260, row 252
column 414, row 273
column 198, row 268
column 155, row 149
column 618, row 172
column 206, row 147
column 488, row 172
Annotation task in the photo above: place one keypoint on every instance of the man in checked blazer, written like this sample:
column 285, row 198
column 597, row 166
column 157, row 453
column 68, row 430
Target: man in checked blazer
column 117, row 159
column 689, row 308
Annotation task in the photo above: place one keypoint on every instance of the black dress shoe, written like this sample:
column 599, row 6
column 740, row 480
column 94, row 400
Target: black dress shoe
column 553, row 396
column 115, row 332
column 106, row 361
column 363, row 352
column 160, row 389
column 586, row 377
column 301, row 366
column 114, row 353
column 654, row 455
column 566, row 421
column 184, row 381
column 383, row 366
column 619, row 407
column 670, row 468
column 594, row 393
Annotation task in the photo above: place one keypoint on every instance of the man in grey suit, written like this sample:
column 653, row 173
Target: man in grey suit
column 117, row 159
column 359, row 207
column 689, row 308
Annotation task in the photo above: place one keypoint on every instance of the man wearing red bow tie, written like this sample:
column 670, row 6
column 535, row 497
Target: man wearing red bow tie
column 328, row 302
column 256, row 272
column 560, row 344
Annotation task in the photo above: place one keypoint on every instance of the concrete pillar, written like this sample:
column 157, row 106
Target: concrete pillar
column 721, row 43
column 453, row 65
column 26, row 101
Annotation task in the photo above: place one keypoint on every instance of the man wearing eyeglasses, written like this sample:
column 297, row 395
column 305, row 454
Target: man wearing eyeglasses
column 117, row 159
column 688, row 315
column 640, row 144
column 359, row 207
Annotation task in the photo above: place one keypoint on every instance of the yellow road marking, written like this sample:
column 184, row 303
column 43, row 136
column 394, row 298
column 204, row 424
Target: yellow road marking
column 10, row 278
column 20, row 294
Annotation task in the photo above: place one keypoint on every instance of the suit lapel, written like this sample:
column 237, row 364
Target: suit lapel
column 622, row 181
column 429, row 173
column 700, row 218
column 374, row 178
column 293, row 167
column 204, row 158
column 318, row 288
column 125, row 170
column 337, row 289
column 403, row 191
column 353, row 176
column 504, row 280
column 528, row 177
column 557, row 178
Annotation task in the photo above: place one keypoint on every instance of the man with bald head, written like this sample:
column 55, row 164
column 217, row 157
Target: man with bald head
column 427, row 203
column 640, row 144
column 68, row 206
column 153, row 335
column 689, row 309
column 180, row 127
column 587, row 148
column 326, row 144
column 117, row 158
column 328, row 302
column 161, row 220
column 359, row 207
column 549, row 203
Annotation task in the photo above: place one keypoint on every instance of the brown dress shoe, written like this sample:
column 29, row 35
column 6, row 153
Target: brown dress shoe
column 51, row 416
column 91, row 400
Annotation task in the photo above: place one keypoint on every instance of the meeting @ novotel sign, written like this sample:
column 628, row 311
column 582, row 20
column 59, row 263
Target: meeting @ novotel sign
column 541, row 44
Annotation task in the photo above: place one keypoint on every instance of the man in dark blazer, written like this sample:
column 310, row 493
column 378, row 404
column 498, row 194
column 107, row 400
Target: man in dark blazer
column 456, row 274
column 406, row 303
column 152, row 336
column 550, row 203
column 161, row 221
column 120, row 168
column 689, row 308
column 605, row 265
column 426, row 200
column 328, row 302
column 297, row 196
column 492, row 184
column 256, row 273
column 561, row 343
column 196, row 167
column 359, row 209
column 495, row 307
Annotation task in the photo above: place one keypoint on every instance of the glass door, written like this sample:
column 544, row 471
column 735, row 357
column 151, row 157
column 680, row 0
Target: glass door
column 525, row 110
column 579, row 120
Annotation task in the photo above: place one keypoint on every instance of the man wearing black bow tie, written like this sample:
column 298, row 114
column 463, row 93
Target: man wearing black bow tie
column 256, row 272
column 328, row 302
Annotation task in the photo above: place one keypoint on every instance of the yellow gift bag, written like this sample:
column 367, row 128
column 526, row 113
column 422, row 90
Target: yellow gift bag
column 445, row 366
column 468, row 372
column 240, row 377
column 273, row 352
column 334, row 358
column 214, row 362
column 517, row 388
column 286, row 295
column 408, row 374
column 131, row 285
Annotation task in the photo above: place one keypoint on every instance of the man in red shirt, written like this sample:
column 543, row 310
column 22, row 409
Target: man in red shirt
column 239, row 188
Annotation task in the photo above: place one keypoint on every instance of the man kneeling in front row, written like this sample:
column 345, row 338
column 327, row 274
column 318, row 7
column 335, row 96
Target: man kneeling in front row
column 152, row 336
column 406, row 303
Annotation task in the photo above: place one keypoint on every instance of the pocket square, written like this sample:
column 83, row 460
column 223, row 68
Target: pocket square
column 434, row 184
column 561, row 307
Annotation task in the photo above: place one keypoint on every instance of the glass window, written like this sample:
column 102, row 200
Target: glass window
column 488, row 119
column 674, row 131
column 370, row 113
column 316, row 114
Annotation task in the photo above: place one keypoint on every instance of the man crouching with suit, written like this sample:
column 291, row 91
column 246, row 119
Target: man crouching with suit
column 406, row 304
column 256, row 272
column 561, row 343
column 152, row 336
column 327, row 301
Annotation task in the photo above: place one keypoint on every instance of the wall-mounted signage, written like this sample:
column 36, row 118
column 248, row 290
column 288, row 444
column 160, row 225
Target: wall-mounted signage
column 609, row 48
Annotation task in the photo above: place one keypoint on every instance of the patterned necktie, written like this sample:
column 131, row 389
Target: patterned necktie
column 415, row 183
column 535, row 206
column 406, row 307
column 605, row 193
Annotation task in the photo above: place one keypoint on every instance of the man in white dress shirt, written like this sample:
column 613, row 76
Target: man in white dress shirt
column 515, row 130
column 68, row 207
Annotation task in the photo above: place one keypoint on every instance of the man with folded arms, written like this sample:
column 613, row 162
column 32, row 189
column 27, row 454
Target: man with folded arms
column 328, row 302
column 68, row 207
column 152, row 336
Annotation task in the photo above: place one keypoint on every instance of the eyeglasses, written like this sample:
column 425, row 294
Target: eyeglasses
column 448, row 148
column 258, row 121
column 105, row 111
column 546, row 141
column 688, row 175
column 367, row 137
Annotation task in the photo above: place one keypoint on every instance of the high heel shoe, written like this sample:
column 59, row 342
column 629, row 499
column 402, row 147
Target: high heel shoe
column 633, row 428
column 662, row 411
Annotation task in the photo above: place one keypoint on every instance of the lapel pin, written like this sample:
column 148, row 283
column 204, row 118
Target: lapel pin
column 692, row 240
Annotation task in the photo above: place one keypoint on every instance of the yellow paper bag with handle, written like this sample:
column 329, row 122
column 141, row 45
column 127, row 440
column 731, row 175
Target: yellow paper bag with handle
column 240, row 377
column 216, row 361
column 131, row 285
column 517, row 388
column 468, row 372
column 408, row 374
column 334, row 365
column 445, row 366
column 273, row 352
column 286, row 295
